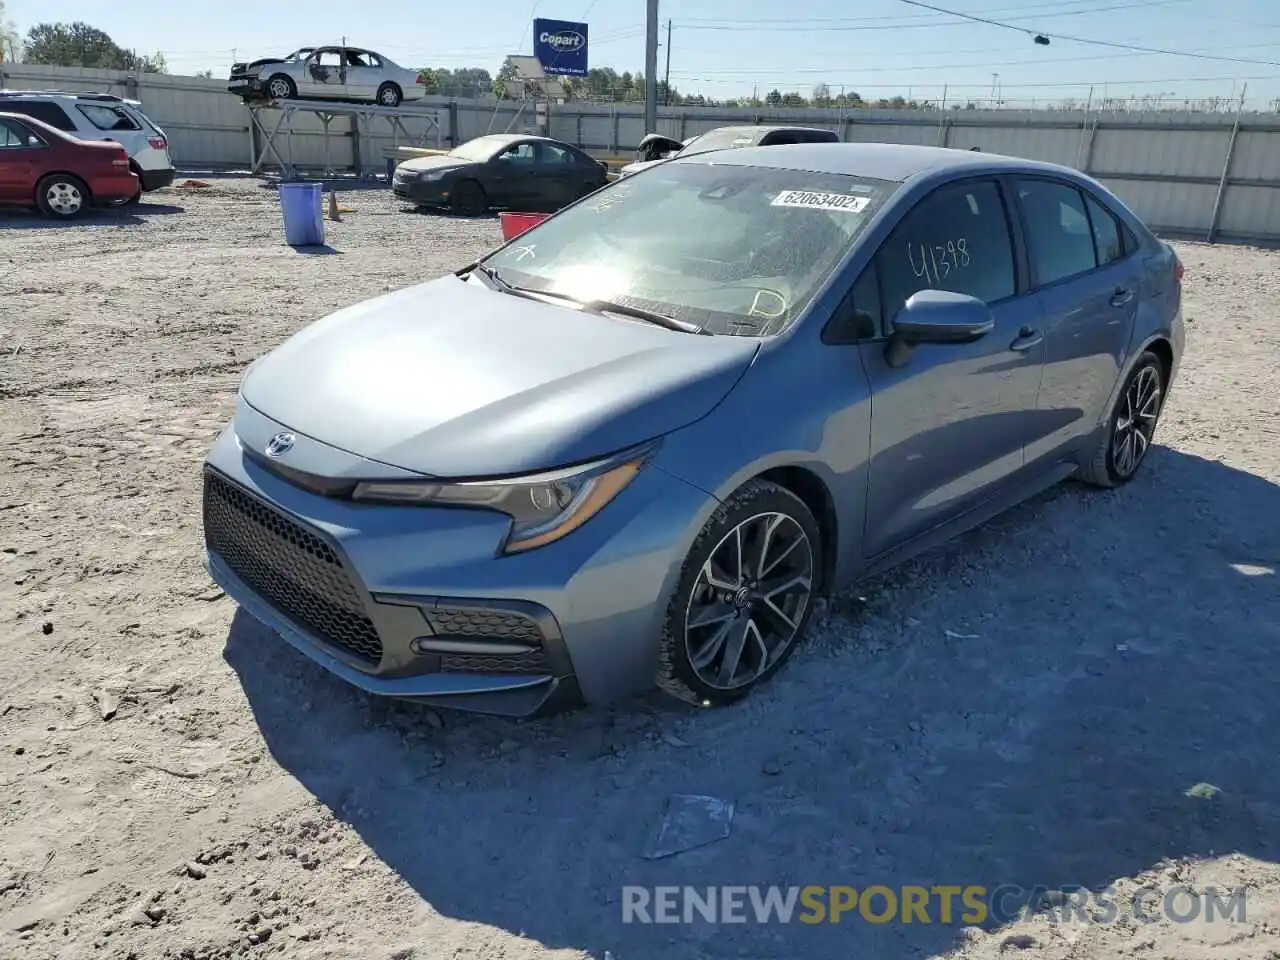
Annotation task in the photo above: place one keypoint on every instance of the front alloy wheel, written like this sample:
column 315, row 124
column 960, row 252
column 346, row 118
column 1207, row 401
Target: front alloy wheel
column 745, row 596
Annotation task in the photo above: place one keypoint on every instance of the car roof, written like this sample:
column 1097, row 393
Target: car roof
column 65, row 95
column 763, row 128
column 497, row 138
column 879, row 161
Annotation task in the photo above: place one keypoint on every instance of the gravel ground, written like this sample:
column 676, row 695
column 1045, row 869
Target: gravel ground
column 1028, row 705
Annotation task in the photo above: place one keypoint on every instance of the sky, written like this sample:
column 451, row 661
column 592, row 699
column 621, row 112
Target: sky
column 727, row 48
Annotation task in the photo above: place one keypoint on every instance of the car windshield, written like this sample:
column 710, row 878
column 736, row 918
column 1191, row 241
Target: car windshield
column 736, row 250
column 481, row 148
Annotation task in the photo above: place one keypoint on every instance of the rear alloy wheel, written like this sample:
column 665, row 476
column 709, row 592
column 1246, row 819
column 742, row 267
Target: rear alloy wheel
column 1132, row 426
column 468, row 199
column 62, row 196
column 744, row 597
column 389, row 95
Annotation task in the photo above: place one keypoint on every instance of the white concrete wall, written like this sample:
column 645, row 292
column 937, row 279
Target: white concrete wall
column 1167, row 166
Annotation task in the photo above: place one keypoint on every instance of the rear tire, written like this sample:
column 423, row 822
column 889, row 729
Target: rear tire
column 1130, row 428
column 469, row 200
column 63, row 197
column 281, row 87
column 389, row 95
column 744, row 598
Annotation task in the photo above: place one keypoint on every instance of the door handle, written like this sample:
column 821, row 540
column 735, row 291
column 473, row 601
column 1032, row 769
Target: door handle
column 1121, row 297
column 1027, row 338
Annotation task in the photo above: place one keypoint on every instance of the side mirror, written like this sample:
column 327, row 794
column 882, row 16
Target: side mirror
column 937, row 316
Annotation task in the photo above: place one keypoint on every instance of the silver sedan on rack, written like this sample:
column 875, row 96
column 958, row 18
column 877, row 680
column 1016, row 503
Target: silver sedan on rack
column 327, row 73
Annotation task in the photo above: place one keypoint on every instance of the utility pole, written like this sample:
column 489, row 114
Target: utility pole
column 666, row 79
column 651, row 68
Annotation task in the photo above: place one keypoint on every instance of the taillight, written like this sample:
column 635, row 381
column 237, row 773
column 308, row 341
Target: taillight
column 1178, row 269
column 157, row 143
column 421, row 81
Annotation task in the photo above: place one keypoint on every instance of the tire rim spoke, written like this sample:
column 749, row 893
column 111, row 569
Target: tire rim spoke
column 1136, row 422
column 749, row 600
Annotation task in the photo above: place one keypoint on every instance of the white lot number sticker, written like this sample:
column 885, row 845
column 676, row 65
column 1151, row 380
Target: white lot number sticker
column 808, row 199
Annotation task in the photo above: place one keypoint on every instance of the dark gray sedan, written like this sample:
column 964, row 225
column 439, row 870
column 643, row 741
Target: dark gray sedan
column 611, row 453
column 508, row 171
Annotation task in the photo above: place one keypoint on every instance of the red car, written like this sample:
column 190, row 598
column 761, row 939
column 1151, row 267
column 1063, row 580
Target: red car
column 43, row 167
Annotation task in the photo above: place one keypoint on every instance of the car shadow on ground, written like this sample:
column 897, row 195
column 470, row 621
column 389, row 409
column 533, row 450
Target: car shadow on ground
column 133, row 216
column 1043, row 748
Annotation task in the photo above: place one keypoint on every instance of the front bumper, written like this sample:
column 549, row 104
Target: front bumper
column 416, row 603
column 425, row 193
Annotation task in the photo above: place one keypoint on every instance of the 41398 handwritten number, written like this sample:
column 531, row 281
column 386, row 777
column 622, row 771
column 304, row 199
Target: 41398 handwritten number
column 933, row 263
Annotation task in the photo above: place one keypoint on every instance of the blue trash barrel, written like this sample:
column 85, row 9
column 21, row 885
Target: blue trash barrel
column 303, row 209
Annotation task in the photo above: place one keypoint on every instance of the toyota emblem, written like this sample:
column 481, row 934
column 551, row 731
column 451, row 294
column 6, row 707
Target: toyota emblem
column 280, row 444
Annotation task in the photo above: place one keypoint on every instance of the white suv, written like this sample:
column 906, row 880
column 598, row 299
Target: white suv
column 101, row 116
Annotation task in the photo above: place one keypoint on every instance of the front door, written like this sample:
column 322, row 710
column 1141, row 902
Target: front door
column 1088, row 289
column 20, row 150
column 324, row 75
column 512, row 177
column 948, row 427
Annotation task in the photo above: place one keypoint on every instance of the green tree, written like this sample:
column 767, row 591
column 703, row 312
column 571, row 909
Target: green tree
column 8, row 37
column 80, row 45
column 507, row 72
column 774, row 97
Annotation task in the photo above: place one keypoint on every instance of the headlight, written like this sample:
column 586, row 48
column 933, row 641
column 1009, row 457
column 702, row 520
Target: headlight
column 430, row 174
column 543, row 508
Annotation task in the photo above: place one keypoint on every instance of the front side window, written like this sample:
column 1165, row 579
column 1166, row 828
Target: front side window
column 956, row 239
column 1059, row 236
column 520, row 153
column 736, row 250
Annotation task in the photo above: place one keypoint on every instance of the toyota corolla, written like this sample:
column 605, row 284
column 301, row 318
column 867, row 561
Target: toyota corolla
column 609, row 455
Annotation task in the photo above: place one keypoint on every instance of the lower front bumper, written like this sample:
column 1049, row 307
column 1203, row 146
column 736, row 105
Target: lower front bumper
column 505, row 695
column 423, row 194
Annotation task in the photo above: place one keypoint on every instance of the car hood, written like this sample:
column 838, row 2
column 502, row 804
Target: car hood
column 418, row 164
column 639, row 165
column 452, row 379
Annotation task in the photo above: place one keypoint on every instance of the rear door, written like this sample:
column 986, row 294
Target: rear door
column 1088, row 289
column 111, row 122
column 564, row 175
column 511, row 178
column 364, row 74
column 21, row 162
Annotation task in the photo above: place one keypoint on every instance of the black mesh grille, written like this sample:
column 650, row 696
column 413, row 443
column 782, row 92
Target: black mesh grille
column 531, row 662
column 288, row 566
column 485, row 622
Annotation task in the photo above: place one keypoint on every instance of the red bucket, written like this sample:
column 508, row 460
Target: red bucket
column 514, row 224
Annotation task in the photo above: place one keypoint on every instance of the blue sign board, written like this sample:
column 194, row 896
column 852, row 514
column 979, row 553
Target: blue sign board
column 561, row 47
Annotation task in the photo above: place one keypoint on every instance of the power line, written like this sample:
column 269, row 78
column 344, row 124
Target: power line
column 1041, row 84
column 1115, row 45
column 1019, row 9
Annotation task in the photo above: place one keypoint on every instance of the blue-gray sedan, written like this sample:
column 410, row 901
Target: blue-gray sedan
column 634, row 445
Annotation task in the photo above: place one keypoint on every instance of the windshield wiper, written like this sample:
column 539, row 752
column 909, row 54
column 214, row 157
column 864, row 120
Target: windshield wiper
column 495, row 282
column 658, row 319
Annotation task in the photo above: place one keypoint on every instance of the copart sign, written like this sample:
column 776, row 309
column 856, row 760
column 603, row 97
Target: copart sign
column 561, row 47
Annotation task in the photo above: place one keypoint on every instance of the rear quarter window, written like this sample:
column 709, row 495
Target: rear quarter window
column 107, row 118
column 50, row 113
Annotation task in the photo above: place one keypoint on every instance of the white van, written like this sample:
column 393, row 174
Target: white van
column 101, row 116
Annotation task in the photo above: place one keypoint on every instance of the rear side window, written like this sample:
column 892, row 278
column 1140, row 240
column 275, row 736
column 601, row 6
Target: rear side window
column 956, row 239
column 107, row 118
column 1106, row 232
column 50, row 113
column 14, row 135
column 1060, row 239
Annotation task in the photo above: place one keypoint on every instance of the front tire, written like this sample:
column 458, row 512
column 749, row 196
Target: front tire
column 744, row 597
column 469, row 199
column 1131, row 427
column 389, row 95
column 281, row 87
column 63, row 196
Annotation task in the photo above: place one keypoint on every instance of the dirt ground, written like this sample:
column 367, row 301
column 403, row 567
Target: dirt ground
column 1029, row 705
